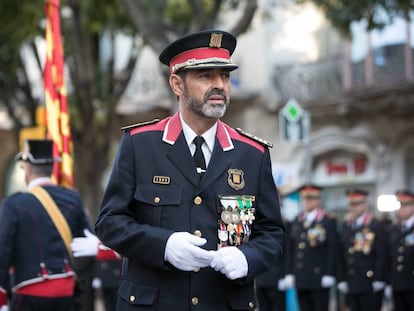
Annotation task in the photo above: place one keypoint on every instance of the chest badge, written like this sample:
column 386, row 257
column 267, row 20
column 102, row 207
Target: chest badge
column 235, row 178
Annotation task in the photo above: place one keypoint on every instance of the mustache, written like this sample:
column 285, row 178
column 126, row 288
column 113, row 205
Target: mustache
column 215, row 91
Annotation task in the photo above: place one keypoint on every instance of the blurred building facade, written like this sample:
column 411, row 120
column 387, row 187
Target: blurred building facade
column 359, row 96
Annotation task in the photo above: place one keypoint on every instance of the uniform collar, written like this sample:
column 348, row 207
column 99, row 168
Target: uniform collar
column 409, row 222
column 174, row 127
column 39, row 182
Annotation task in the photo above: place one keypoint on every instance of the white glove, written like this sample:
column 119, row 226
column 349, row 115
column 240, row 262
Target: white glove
column 96, row 283
column 183, row 252
column 327, row 281
column 377, row 286
column 231, row 262
column 343, row 287
column 281, row 285
column 388, row 292
column 87, row 246
column 4, row 308
column 289, row 281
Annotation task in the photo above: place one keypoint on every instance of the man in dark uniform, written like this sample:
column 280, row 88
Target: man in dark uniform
column 363, row 253
column 402, row 253
column 191, row 203
column 31, row 245
column 311, row 252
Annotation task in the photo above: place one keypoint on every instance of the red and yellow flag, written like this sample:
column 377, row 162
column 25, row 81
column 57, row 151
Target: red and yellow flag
column 57, row 113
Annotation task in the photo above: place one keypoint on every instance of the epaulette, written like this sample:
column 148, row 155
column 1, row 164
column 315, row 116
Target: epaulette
column 258, row 139
column 130, row 127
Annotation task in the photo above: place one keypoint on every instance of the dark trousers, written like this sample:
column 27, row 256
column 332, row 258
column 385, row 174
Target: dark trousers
column 365, row 301
column 403, row 301
column 313, row 300
column 33, row 303
column 109, row 298
column 270, row 299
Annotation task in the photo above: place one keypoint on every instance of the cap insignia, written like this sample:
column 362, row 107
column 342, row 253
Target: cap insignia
column 215, row 40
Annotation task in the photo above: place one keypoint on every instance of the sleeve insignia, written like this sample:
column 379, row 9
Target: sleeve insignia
column 130, row 127
column 258, row 139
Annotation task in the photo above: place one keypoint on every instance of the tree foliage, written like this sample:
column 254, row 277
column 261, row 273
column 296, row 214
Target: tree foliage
column 342, row 13
column 97, row 86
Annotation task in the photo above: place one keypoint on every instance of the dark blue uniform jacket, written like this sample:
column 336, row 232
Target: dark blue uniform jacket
column 29, row 240
column 154, row 190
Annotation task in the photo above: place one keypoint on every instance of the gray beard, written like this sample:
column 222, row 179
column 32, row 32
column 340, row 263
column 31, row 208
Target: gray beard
column 203, row 109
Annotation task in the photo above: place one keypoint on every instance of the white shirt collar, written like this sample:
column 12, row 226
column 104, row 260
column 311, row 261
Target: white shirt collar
column 39, row 181
column 409, row 222
column 310, row 217
column 209, row 138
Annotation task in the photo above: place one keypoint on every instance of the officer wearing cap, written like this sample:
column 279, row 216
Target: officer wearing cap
column 32, row 249
column 311, row 253
column 402, row 253
column 363, row 255
column 191, row 203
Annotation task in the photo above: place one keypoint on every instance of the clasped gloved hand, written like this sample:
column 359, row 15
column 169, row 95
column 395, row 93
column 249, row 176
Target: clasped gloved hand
column 183, row 251
column 231, row 262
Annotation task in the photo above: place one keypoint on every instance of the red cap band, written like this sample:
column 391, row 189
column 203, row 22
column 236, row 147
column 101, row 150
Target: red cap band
column 198, row 55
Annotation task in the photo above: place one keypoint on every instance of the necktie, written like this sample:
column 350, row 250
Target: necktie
column 198, row 156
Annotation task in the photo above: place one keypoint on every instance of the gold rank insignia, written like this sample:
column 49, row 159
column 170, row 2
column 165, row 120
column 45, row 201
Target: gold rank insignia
column 235, row 178
column 215, row 40
column 163, row 180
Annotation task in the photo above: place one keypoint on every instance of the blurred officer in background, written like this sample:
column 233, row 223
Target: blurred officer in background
column 402, row 253
column 311, row 252
column 99, row 268
column 270, row 288
column 36, row 228
column 362, row 271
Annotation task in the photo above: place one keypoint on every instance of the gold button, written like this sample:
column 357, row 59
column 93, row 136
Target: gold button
column 198, row 200
column 300, row 255
column 132, row 298
column 317, row 270
column 370, row 273
column 157, row 200
column 400, row 258
column 303, row 235
column 401, row 249
column 194, row 301
column 300, row 265
column 197, row 233
column 196, row 270
column 251, row 305
column 301, row 245
column 400, row 268
column 351, row 250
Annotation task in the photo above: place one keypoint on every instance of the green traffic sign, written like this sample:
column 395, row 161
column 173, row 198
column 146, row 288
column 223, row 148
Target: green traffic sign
column 292, row 110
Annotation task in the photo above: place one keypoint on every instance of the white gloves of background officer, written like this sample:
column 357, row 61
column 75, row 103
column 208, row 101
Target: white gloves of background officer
column 327, row 281
column 85, row 246
column 183, row 251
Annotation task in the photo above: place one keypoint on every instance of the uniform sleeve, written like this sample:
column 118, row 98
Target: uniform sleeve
column 8, row 228
column 266, row 241
column 116, row 225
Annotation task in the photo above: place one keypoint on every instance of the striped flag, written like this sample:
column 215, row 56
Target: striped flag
column 57, row 113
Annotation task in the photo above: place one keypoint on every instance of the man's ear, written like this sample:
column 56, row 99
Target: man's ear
column 176, row 84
